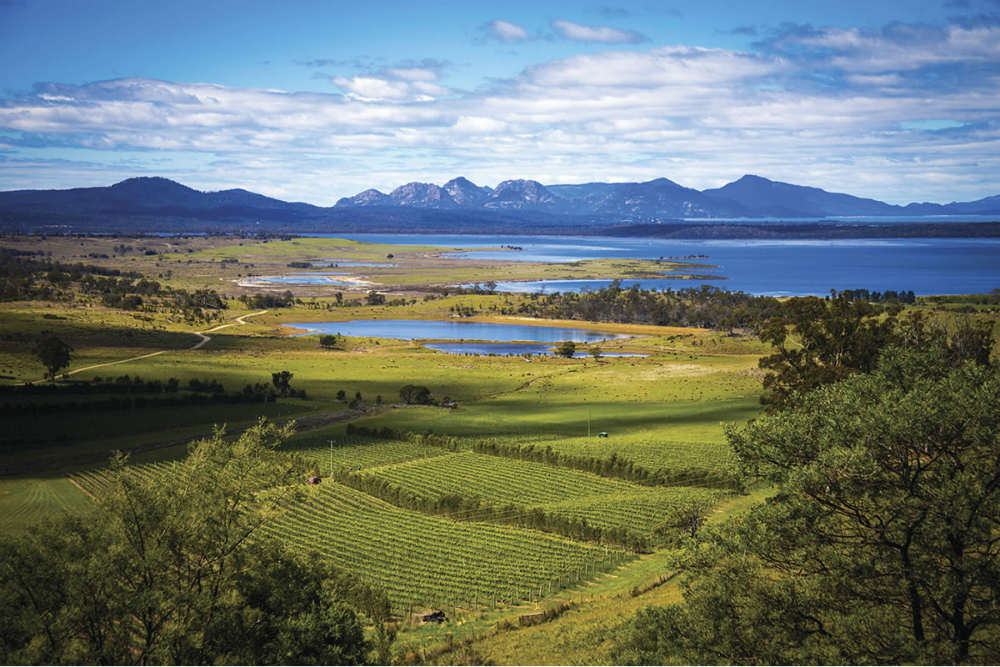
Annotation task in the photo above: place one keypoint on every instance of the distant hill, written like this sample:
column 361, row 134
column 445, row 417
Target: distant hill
column 515, row 206
column 151, row 196
column 761, row 197
column 658, row 199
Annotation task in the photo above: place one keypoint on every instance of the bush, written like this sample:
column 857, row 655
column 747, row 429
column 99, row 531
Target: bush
column 415, row 395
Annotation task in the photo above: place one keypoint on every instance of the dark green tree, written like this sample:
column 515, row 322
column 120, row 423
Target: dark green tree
column 282, row 381
column 53, row 353
column 331, row 341
column 415, row 395
column 882, row 544
column 820, row 341
column 567, row 349
column 177, row 571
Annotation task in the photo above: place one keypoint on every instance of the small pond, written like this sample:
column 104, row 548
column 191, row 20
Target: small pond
column 300, row 279
column 458, row 331
column 513, row 349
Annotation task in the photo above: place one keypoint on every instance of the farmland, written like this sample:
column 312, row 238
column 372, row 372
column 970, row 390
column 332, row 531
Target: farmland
column 504, row 503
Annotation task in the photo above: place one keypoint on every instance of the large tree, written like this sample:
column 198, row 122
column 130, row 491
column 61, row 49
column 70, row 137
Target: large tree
column 177, row 571
column 54, row 353
column 882, row 544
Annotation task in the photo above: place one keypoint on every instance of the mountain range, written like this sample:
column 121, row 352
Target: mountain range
column 657, row 200
column 458, row 205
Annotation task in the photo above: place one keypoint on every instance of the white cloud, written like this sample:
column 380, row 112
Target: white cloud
column 416, row 88
column 663, row 66
column 603, row 34
column 507, row 32
column 907, row 47
column 698, row 116
column 479, row 125
column 371, row 89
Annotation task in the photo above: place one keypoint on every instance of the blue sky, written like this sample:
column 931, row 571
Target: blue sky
column 312, row 101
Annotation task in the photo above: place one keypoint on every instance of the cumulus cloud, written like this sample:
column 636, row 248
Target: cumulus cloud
column 393, row 83
column 370, row 89
column 603, row 34
column 506, row 32
column 696, row 115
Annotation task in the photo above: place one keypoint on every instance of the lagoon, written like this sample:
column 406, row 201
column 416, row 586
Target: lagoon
column 458, row 331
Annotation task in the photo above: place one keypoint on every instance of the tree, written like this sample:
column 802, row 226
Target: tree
column 567, row 349
column 331, row 341
column 881, row 544
column 53, row 353
column 415, row 395
column 833, row 338
column 177, row 570
column 373, row 298
column 282, row 382
column 595, row 352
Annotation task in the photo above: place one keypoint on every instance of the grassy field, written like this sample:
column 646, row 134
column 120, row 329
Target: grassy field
column 664, row 414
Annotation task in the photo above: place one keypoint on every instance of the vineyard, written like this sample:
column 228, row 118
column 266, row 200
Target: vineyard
column 363, row 452
column 29, row 501
column 419, row 559
column 685, row 462
column 642, row 511
column 496, row 480
column 426, row 560
column 478, row 487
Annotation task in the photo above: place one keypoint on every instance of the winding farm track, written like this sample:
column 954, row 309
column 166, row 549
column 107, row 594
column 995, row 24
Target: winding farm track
column 202, row 340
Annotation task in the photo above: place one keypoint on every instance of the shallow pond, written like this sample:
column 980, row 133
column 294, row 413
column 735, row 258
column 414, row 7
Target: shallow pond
column 299, row 279
column 458, row 331
column 513, row 349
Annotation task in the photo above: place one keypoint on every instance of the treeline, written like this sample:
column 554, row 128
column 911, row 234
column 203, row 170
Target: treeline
column 122, row 384
column 612, row 466
column 888, row 296
column 25, row 278
column 283, row 300
column 135, row 393
column 705, row 306
column 464, row 508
